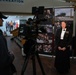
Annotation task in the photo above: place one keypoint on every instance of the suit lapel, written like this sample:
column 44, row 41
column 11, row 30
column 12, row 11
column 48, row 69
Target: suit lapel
column 60, row 32
column 66, row 34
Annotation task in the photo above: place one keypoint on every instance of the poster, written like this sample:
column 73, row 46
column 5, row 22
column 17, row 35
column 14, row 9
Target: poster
column 45, row 32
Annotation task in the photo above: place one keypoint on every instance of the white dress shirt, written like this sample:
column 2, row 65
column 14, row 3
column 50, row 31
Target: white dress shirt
column 62, row 34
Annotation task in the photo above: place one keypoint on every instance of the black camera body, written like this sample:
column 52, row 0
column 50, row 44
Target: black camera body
column 39, row 10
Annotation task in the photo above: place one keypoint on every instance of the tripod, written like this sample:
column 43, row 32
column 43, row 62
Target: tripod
column 32, row 52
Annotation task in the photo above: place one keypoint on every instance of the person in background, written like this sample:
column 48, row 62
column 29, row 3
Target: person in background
column 6, row 26
column 6, row 58
column 63, row 41
column 27, row 36
column 11, row 26
column 17, row 25
column 56, row 27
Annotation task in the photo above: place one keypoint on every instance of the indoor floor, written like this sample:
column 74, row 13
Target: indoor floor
column 47, row 62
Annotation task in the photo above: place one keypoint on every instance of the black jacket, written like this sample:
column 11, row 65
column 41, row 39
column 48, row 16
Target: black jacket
column 5, row 57
column 67, row 37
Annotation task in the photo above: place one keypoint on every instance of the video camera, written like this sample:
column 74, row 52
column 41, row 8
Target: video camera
column 36, row 10
column 42, row 16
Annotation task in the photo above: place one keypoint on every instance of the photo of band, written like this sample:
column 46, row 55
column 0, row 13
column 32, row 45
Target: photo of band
column 44, row 39
column 48, row 16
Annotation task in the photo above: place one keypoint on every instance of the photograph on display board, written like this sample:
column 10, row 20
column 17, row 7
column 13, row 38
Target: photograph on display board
column 64, row 12
column 44, row 38
column 45, row 31
column 47, row 16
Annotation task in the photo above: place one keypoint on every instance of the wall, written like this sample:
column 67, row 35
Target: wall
column 26, row 6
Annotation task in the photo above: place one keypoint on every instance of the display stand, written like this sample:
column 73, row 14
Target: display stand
column 45, row 40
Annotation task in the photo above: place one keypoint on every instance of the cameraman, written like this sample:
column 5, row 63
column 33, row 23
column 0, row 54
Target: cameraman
column 29, row 42
column 27, row 31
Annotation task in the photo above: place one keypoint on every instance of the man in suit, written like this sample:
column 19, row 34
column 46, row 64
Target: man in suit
column 63, row 41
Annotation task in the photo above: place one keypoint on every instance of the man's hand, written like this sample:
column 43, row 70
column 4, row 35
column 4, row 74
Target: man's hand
column 63, row 49
column 59, row 48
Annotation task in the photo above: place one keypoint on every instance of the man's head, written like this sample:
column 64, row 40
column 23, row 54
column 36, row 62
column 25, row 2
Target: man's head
column 1, row 18
column 48, row 11
column 63, row 24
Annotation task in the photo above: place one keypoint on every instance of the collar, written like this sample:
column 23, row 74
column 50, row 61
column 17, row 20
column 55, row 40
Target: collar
column 64, row 29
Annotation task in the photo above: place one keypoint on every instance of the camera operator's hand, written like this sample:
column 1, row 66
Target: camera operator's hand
column 23, row 41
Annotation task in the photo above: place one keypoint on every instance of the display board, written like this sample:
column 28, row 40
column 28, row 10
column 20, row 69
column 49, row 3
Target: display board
column 45, row 38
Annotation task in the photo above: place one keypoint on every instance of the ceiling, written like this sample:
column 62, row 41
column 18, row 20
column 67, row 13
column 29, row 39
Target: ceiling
column 26, row 7
column 71, row 0
column 74, row 1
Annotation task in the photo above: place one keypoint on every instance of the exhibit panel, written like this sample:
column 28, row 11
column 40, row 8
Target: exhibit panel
column 45, row 39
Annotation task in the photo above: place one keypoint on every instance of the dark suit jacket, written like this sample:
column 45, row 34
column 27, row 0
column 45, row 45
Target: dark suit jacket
column 67, row 37
column 5, row 58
